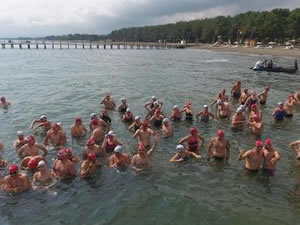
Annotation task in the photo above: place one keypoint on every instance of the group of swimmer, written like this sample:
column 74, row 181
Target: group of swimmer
column 103, row 142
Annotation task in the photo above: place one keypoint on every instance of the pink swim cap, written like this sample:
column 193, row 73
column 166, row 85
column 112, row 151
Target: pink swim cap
column 141, row 147
column 68, row 151
column 30, row 139
column 13, row 168
column 61, row 153
column 254, row 106
column 32, row 164
column 258, row 144
column 78, row 120
column 268, row 142
column 220, row 133
column 193, row 131
column 256, row 118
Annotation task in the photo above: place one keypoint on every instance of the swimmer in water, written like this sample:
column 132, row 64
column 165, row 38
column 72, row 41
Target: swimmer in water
column 15, row 181
column 245, row 95
column 78, row 129
column 63, row 168
column 4, row 103
column 3, row 162
column 297, row 97
column 253, row 157
column 205, row 114
column 220, row 145
column 263, row 96
column 42, row 122
column 135, row 125
column 167, row 129
column 279, row 113
column 176, row 114
column 271, row 157
column 221, row 96
column 183, row 155
column 188, row 109
column 157, row 119
column 141, row 160
column 256, row 126
column 251, row 100
column 156, row 106
column 89, row 166
column 193, row 141
column 289, row 106
column 110, row 142
column 236, row 90
column 20, row 141
column 144, row 133
column 150, row 105
column 128, row 116
column 91, row 147
column 31, row 148
column 96, row 122
column 119, row 160
column 223, row 110
column 295, row 145
column 108, row 102
column 123, row 107
column 238, row 119
column 31, row 162
column 56, row 137
column 255, row 112
column 42, row 179
column 105, row 117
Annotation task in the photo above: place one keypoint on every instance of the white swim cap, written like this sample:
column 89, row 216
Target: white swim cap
column 123, row 99
column 165, row 120
column 111, row 133
column 180, row 148
column 153, row 97
column 43, row 117
column 155, row 103
column 41, row 163
column 219, row 102
column 20, row 133
column 137, row 118
column 128, row 110
column 118, row 148
column 205, row 106
column 59, row 124
column 239, row 109
column 93, row 115
column 280, row 103
column 175, row 107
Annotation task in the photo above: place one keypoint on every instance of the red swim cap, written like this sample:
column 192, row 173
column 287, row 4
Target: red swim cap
column 90, row 141
column 145, row 123
column 32, row 164
column 268, row 142
column 157, row 111
column 258, row 144
column 267, row 88
column 55, row 126
column 92, row 156
column 31, row 139
column 220, row 133
column 239, row 82
column 141, row 147
column 61, row 153
column 78, row 120
column 68, row 151
column 254, row 106
column 193, row 130
column 13, row 168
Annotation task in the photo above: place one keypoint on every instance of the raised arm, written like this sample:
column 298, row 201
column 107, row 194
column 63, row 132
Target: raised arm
column 209, row 153
column 294, row 144
column 44, row 149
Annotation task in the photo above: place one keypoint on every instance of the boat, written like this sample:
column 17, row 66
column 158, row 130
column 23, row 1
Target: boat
column 277, row 69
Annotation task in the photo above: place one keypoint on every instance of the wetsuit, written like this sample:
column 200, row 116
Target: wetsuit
column 204, row 118
column 157, row 123
column 279, row 115
column 107, row 119
column 110, row 147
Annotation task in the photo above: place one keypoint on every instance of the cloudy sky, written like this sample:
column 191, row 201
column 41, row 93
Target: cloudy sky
column 38, row 18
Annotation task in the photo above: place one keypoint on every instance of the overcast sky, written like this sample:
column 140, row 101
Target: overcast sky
column 37, row 18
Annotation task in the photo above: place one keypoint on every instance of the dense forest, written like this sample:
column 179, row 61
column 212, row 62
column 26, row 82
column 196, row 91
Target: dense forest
column 276, row 25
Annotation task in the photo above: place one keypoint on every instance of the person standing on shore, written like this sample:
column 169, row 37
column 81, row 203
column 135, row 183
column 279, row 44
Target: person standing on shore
column 236, row 90
column 263, row 96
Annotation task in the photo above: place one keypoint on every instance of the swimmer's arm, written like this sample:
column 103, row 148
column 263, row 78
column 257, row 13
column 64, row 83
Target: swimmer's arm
column 146, row 105
column 104, row 145
column 33, row 123
column 112, row 162
column 72, row 170
column 214, row 102
column 199, row 114
column 133, row 165
column 84, row 169
column 136, row 133
column 84, row 130
column 46, row 139
column 105, row 125
column 194, row 155
column 152, row 118
column 34, row 186
column 183, row 140
column 202, row 140
column 276, row 157
column 212, row 115
column 131, row 126
column 20, row 153
column 260, row 95
column 244, row 155
column 151, row 150
column 209, row 154
column 44, row 149
column 294, row 144
column 174, row 159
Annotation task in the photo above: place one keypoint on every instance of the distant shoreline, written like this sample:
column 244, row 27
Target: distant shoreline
column 276, row 51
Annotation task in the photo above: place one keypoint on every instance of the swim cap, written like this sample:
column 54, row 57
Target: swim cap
column 205, row 106
column 137, row 118
column 2, row 99
column 13, row 168
column 153, row 97
column 118, row 148
column 175, row 107
column 157, row 111
column 219, row 102
column 20, row 133
column 253, row 106
column 180, row 148
column 258, row 144
column 165, row 120
column 43, row 117
column 68, row 151
column 220, row 133
column 267, row 88
column 145, row 123
column 111, row 133
column 239, row 82
column 92, row 156
column 156, row 103
column 93, row 115
column 30, row 138
column 59, row 124
column 78, row 120
column 41, row 163
column 61, row 153
column 55, row 126
column 32, row 164
column 239, row 110
column 141, row 147
column 123, row 99
column 90, row 141
column 268, row 142
column 280, row 103
column 128, row 110
column 193, row 130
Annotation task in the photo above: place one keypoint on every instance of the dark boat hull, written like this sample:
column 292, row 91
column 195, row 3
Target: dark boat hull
column 277, row 69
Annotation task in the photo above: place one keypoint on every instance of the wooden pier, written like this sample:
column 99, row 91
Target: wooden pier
column 41, row 44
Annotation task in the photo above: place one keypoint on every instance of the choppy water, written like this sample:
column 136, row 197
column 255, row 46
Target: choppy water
column 65, row 84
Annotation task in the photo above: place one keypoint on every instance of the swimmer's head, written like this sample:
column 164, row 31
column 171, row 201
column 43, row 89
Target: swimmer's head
column 220, row 133
column 238, row 82
column 43, row 118
column 267, row 88
column 205, row 106
column 90, row 142
column 254, row 106
column 175, row 107
column 13, row 169
column 239, row 110
column 137, row 118
column 41, row 163
column 68, row 151
column 123, row 100
column 157, row 111
column 2, row 100
column 20, row 133
column 193, row 131
column 220, row 102
column 268, row 142
column 55, row 127
column 156, row 103
column 110, row 134
column 95, row 121
column 61, row 153
column 145, row 124
column 118, row 149
column 32, row 164
column 259, row 144
column 165, row 120
column 93, row 115
column 180, row 148
column 78, row 121
column 153, row 98
column 128, row 110
column 92, row 156
column 30, row 140
column 280, row 104
column 141, row 147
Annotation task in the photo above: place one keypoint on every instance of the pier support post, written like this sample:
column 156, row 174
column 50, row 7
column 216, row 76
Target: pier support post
column 28, row 46
column 11, row 45
column 111, row 46
column 97, row 46
column 68, row 45
column 20, row 46
column 37, row 46
column 52, row 45
column 76, row 45
column 45, row 47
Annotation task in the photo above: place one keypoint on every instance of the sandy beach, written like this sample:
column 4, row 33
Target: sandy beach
column 276, row 51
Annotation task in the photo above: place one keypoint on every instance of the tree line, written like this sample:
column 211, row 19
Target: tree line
column 276, row 25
